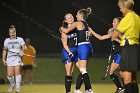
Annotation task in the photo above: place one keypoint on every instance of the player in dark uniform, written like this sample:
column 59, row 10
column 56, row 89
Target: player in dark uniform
column 69, row 42
column 115, row 51
column 84, row 46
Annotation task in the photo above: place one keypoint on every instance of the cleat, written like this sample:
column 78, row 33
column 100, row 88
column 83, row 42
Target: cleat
column 78, row 91
column 11, row 88
column 120, row 90
column 89, row 91
column 17, row 90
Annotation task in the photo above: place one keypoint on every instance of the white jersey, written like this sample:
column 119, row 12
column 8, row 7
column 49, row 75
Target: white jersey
column 13, row 47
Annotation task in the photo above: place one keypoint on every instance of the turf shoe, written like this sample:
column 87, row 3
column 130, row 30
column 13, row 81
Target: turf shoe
column 89, row 91
column 78, row 91
column 17, row 90
column 11, row 88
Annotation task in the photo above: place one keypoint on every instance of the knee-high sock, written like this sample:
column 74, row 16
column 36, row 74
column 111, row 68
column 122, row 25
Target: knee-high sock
column 128, row 88
column 18, row 81
column 79, row 81
column 11, row 80
column 116, row 81
column 68, row 81
column 87, row 81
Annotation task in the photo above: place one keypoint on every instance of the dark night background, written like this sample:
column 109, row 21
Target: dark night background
column 50, row 13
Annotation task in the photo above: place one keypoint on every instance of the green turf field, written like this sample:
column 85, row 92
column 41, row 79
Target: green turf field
column 51, row 70
column 59, row 88
column 50, row 77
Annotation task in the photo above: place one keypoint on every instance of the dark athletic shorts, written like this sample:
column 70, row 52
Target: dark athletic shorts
column 27, row 67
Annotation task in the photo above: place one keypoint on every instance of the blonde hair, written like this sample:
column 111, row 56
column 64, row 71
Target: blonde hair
column 85, row 12
column 66, row 15
column 128, row 3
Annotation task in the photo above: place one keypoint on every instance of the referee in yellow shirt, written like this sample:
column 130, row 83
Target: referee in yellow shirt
column 28, row 61
column 129, row 28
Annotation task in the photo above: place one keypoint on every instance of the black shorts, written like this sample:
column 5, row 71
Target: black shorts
column 27, row 67
column 130, row 58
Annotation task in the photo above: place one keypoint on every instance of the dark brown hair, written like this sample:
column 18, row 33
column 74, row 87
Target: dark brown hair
column 119, row 18
column 12, row 27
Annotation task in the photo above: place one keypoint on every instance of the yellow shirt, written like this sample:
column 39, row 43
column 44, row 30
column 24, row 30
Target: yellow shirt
column 30, row 51
column 129, row 26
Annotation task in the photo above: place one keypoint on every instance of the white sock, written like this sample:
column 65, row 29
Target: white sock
column 83, row 71
column 18, row 81
column 11, row 80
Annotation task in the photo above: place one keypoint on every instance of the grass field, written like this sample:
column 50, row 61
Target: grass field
column 49, row 77
column 59, row 88
column 51, row 70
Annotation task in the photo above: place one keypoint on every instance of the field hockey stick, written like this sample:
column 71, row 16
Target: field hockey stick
column 69, row 56
column 107, row 68
column 23, row 54
column 108, row 65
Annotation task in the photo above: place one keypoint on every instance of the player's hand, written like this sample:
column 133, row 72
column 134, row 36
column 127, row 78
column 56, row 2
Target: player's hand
column 71, row 55
column 21, row 53
column 62, row 29
column 22, row 64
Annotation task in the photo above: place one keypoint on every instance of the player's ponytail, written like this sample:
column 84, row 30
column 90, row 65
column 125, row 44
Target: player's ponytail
column 88, row 10
column 85, row 12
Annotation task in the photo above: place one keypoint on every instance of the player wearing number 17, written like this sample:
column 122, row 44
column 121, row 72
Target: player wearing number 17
column 84, row 46
column 70, row 49
column 12, row 52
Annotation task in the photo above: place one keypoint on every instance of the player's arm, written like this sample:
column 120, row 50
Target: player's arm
column 122, row 27
column 23, row 47
column 4, row 53
column 89, row 32
column 64, row 39
column 116, row 34
column 99, row 36
column 118, row 40
column 67, row 30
